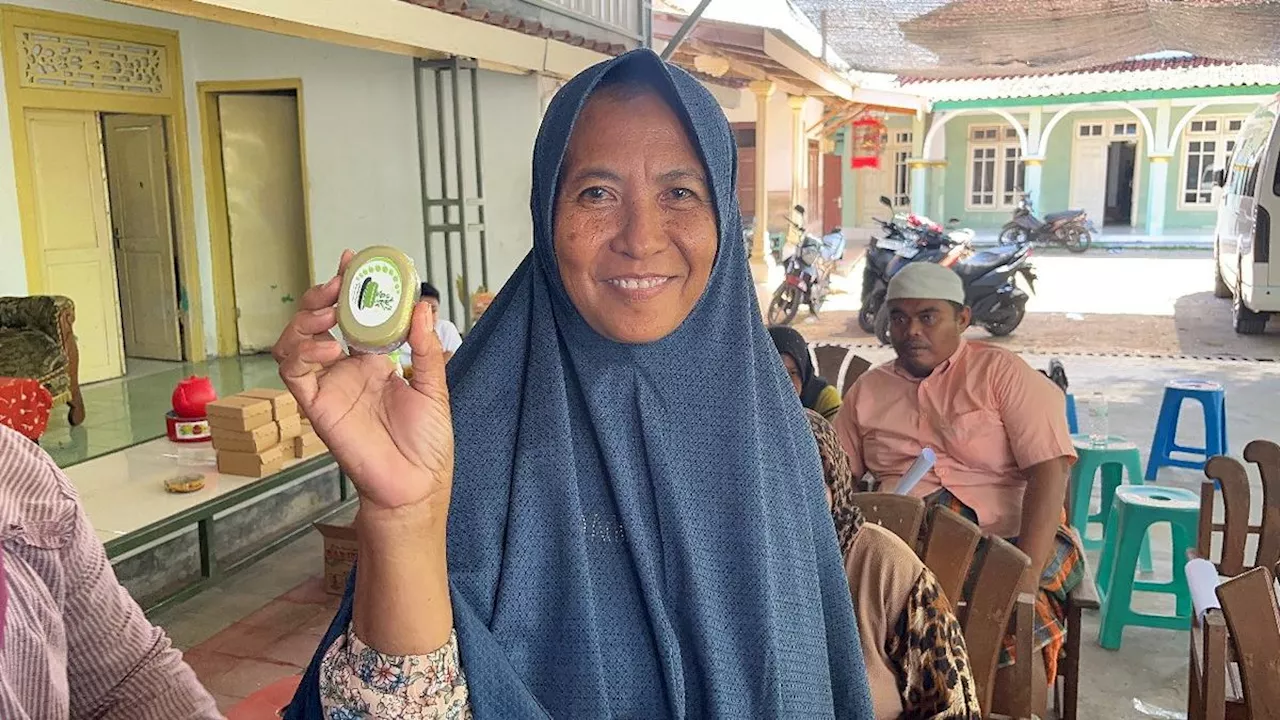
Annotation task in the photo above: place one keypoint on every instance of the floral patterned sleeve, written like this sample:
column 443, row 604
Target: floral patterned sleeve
column 928, row 651
column 360, row 683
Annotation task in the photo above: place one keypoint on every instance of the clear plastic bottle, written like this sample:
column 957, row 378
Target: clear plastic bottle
column 1097, row 419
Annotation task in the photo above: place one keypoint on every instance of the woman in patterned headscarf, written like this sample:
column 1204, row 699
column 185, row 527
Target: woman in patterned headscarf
column 627, row 535
column 917, row 664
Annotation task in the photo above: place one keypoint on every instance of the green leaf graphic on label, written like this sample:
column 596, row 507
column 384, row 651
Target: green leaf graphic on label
column 368, row 293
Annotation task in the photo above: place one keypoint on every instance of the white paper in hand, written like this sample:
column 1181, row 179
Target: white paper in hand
column 916, row 472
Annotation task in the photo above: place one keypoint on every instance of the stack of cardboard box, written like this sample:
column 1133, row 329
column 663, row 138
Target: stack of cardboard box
column 256, row 430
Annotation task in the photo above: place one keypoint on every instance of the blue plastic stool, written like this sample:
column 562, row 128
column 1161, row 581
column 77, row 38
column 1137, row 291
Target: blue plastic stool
column 1213, row 399
column 1073, row 420
column 1113, row 462
column 1135, row 510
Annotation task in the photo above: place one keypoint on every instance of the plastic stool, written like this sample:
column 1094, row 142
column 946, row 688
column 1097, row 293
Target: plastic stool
column 1073, row 420
column 1212, row 398
column 1135, row 510
column 1117, row 458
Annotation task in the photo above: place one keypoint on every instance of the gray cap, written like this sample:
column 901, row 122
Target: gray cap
column 926, row 281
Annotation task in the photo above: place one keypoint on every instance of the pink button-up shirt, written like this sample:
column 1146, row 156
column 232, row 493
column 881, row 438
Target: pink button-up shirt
column 987, row 414
column 75, row 644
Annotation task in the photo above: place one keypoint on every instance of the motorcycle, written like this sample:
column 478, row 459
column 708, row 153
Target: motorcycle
column 997, row 303
column 808, row 276
column 907, row 238
column 1071, row 228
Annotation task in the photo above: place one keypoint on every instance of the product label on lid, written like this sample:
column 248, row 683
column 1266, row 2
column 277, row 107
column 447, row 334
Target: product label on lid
column 375, row 292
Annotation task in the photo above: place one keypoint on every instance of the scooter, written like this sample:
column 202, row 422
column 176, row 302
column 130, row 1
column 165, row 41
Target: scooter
column 907, row 239
column 808, row 276
column 998, row 305
column 1071, row 228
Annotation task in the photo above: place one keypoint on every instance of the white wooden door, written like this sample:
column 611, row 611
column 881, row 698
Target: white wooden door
column 262, row 163
column 1088, row 179
column 871, row 184
column 141, row 218
column 74, row 231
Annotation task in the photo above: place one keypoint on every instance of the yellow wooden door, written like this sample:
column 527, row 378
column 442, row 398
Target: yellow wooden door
column 262, row 166
column 142, row 221
column 74, row 231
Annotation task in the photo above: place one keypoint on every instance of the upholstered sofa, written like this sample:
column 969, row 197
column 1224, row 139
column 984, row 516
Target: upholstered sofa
column 37, row 341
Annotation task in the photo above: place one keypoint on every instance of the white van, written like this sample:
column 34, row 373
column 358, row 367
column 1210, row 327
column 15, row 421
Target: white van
column 1242, row 238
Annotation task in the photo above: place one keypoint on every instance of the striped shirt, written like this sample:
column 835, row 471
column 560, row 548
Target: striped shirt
column 75, row 645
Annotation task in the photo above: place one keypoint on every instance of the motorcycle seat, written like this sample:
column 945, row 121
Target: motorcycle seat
column 982, row 262
column 1064, row 215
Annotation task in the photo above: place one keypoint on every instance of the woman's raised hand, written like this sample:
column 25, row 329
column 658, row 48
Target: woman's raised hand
column 393, row 439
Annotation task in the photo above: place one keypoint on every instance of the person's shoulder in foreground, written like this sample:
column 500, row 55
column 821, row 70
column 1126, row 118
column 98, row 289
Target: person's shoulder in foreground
column 64, row 603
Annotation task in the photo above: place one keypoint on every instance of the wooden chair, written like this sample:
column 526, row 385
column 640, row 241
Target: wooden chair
column 1207, row 692
column 857, row 366
column 1252, row 616
column 949, row 548
column 830, row 361
column 1230, row 474
column 902, row 515
column 981, row 576
column 1066, row 686
column 1215, row 688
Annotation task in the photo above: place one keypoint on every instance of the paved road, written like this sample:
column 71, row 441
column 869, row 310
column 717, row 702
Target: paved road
column 1143, row 303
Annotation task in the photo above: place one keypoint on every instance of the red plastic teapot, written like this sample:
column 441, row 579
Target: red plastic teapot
column 191, row 396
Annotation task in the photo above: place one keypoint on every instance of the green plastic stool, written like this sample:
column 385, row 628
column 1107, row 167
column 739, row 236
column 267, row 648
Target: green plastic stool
column 1115, row 460
column 1135, row 510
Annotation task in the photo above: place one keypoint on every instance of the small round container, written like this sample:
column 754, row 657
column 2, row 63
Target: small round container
column 379, row 289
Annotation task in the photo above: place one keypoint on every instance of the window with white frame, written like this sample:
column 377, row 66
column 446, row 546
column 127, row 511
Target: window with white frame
column 1124, row 129
column 996, row 171
column 1207, row 146
column 901, row 153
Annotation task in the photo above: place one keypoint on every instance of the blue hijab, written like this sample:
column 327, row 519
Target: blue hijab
column 638, row 531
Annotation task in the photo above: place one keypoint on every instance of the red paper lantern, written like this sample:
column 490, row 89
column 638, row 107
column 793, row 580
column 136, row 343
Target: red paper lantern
column 868, row 135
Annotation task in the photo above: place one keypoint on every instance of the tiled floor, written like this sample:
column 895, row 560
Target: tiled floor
column 250, row 636
column 126, row 411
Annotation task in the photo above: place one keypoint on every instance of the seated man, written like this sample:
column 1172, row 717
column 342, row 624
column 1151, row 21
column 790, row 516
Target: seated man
column 450, row 338
column 998, row 427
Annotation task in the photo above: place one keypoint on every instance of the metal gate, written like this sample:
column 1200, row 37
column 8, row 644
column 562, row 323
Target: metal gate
column 451, row 172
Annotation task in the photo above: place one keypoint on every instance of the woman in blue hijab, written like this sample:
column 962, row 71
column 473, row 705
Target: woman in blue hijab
column 636, row 520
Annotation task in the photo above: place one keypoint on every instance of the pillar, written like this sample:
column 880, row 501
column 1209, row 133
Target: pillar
column 919, row 186
column 763, row 90
column 799, row 154
column 1035, row 171
column 938, row 191
column 1157, row 193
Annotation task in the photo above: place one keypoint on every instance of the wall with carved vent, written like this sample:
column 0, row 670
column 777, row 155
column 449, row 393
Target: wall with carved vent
column 361, row 139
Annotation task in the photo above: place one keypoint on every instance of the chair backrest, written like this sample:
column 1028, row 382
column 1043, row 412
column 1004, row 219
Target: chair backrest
column 1253, row 616
column 830, row 361
column 857, row 366
column 985, row 616
column 1231, row 476
column 949, row 548
column 902, row 515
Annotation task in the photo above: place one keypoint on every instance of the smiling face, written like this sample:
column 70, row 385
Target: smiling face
column 925, row 333
column 635, row 226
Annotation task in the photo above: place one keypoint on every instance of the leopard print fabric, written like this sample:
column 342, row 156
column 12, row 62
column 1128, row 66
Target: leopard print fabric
column 840, row 481
column 930, row 659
